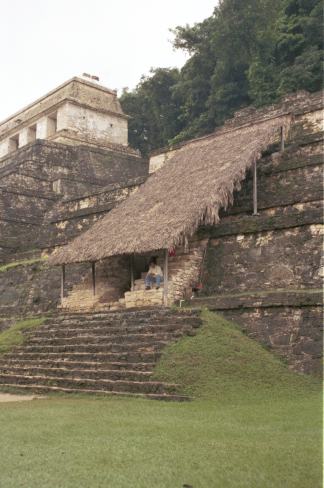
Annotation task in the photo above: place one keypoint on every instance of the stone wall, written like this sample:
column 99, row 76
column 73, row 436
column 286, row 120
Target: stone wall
column 112, row 277
column 73, row 215
column 185, row 270
column 52, row 161
column 90, row 124
column 283, row 258
column 294, row 332
column 266, row 271
column 263, row 271
column 31, row 287
column 113, row 280
column 50, row 192
column 286, row 321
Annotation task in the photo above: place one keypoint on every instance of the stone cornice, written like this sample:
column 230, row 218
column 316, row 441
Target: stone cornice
column 55, row 90
column 53, row 108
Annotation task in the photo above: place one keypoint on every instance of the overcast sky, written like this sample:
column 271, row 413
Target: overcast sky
column 45, row 42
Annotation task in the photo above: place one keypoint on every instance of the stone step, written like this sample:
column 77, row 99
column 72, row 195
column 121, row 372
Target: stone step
column 89, row 365
column 106, row 352
column 108, row 331
column 82, row 299
column 101, row 339
column 75, row 324
column 141, row 333
column 129, row 323
column 153, row 292
column 129, row 315
column 140, row 281
column 140, row 285
column 117, row 306
column 62, row 372
column 133, row 357
column 41, row 389
column 94, row 348
column 98, row 384
column 138, row 304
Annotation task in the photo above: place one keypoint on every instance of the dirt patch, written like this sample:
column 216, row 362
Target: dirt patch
column 8, row 397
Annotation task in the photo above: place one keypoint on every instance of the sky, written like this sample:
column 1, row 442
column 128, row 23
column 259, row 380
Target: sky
column 46, row 42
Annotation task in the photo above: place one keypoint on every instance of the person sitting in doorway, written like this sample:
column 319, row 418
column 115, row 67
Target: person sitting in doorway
column 154, row 274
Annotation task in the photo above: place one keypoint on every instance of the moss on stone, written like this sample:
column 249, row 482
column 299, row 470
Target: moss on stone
column 14, row 336
column 23, row 262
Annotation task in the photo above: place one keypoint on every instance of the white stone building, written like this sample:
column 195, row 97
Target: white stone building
column 80, row 111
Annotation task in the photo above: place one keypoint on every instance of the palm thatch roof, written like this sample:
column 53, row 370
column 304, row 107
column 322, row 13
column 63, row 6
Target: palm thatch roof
column 187, row 191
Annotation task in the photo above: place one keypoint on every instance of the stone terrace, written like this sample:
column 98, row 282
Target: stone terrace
column 104, row 353
column 50, row 192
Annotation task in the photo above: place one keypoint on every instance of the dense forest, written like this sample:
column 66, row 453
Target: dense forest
column 247, row 52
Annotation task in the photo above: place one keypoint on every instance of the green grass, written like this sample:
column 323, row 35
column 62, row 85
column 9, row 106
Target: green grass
column 14, row 336
column 22, row 262
column 253, row 424
column 81, row 443
column 220, row 361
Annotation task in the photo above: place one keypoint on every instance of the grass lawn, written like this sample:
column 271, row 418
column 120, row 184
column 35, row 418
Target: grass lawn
column 253, row 424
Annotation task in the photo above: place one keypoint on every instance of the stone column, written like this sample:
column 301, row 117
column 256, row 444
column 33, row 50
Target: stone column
column 27, row 135
column 4, row 149
column 8, row 145
column 46, row 126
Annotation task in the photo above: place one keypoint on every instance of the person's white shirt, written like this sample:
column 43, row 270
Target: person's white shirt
column 155, row 270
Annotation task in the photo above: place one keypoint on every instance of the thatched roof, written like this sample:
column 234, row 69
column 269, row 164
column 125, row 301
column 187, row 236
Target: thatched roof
column 187, row 191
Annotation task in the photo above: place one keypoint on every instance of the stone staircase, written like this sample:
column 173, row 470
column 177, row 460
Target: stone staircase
column 140, row 297
column 110, row 353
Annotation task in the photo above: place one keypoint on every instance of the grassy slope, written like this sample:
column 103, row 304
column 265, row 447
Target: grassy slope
column 240, row 433
column 222, row 363
column 14, row 335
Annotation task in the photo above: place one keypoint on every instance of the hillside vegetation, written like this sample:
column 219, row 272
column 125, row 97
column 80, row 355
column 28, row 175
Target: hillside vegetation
column 14, row 335
column 247, row 52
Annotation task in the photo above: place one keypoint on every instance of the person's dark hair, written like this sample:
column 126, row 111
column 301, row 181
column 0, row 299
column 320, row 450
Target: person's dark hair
column 153, row 260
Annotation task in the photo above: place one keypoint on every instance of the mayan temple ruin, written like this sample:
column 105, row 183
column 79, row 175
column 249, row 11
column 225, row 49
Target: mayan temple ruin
column 234, row 219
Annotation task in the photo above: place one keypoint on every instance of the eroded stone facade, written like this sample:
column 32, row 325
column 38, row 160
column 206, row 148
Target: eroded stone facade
column 263, row 271
column 79, row 111
column 266, row 272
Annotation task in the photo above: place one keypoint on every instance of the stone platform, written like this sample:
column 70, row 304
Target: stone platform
column 112, row 353
column 140, row 297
